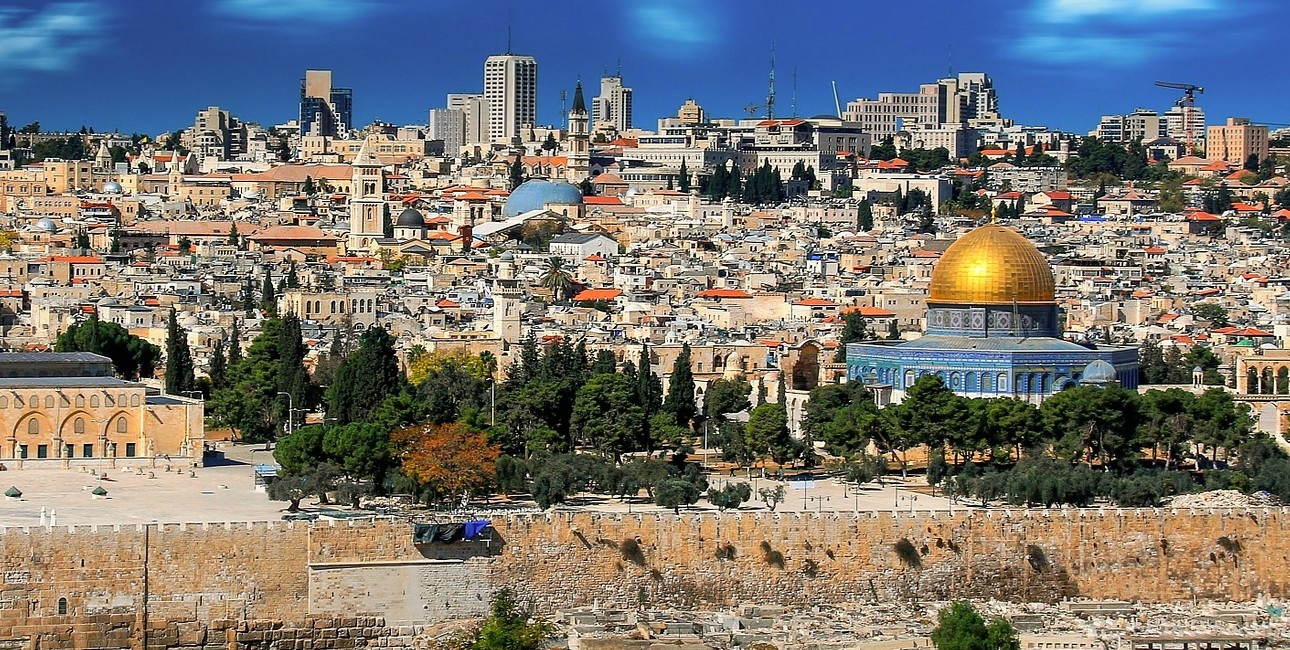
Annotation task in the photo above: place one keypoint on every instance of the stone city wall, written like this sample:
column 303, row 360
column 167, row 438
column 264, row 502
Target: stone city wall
column 364, row 583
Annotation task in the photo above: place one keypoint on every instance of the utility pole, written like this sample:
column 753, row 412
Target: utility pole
column 291, row 411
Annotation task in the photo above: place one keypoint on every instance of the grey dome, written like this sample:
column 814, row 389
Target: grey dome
column 410, row 218
column 46, row 224
column 540, row 192
column 1098, row 372
column 112, row 187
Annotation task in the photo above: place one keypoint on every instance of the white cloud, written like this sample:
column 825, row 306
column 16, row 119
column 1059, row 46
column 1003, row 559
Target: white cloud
column 1067, row 11
column 674, row 28
column 1074, row 49
column 50, row 39
column 1108, row 32
column 294, row 12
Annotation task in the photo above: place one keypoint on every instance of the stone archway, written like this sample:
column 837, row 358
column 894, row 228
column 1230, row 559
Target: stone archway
column 806, row 368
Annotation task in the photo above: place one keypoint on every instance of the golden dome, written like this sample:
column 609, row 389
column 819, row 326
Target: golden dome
column 992, row 265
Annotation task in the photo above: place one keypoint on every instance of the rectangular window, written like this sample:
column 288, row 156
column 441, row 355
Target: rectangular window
column 129, row 450
column 42, row 451
column 87, row 451
column 22, row 451
column 69, row 451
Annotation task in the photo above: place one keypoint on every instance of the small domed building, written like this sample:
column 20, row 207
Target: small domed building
column 993, row 330
column 410, row 224
column 542, row 194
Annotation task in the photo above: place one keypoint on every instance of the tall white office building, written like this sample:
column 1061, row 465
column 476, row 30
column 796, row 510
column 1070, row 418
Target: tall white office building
column 510, row 92
column 612, row 109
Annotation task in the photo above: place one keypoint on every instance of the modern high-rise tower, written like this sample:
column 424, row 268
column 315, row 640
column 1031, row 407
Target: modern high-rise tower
column 612, row 109
column 324, row 110
column 510, row 90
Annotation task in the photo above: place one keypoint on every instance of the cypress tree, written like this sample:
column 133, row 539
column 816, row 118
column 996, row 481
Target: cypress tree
column 781, row 392
column 517, row 172
column 680, row 389
column 292, row 377
column 649, row 390
column 734, row 183
column 219, row 366
column 179, row 359
column 293, row 280
column 268, row 295
column 365, row 378
column 248, row 296
column 683, row 183
column 865, row 218
column 716, row 189
column 235, row 344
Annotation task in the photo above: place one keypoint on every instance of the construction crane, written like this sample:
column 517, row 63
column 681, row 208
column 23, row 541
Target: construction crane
column 1187, row 102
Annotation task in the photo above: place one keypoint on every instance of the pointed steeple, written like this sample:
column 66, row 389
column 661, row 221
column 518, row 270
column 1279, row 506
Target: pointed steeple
column 579, row 104
column 365, row 158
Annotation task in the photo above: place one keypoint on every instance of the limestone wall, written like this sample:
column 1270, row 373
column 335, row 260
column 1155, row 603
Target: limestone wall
column 204, row 585
column 717, row 560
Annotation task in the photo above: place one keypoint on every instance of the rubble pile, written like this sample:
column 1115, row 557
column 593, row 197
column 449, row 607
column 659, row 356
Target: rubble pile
column 1224, row 499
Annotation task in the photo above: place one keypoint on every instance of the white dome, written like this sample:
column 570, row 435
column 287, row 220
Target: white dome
column 112, row 187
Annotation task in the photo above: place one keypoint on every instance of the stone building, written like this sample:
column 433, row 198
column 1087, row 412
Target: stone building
column 68, row 407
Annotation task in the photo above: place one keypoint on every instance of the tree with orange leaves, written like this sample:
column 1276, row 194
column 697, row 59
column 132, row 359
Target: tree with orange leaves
column 448, row 459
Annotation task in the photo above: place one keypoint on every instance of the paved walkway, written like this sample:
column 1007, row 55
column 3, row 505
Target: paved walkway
column 208, row 494
column 227, row 493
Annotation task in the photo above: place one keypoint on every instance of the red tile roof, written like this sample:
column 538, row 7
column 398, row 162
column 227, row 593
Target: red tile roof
column 74, row 259
column 597, row 294
column 869, row 312
column 723, row 293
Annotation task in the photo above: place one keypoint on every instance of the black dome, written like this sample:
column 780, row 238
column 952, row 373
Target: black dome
column 410, row 218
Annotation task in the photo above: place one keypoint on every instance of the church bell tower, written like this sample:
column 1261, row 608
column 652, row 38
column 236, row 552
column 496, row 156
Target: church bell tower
column 367, row 200
column 579, row 156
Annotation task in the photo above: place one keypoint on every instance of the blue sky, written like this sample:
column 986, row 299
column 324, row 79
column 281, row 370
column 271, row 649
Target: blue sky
column 149, row 65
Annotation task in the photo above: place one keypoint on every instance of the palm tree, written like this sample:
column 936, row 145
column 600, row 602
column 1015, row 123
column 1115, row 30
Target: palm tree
column 557, row 279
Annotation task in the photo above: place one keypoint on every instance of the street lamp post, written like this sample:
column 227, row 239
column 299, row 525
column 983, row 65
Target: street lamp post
column 291, row 411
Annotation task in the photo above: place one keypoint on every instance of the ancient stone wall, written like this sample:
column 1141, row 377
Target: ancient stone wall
column 804, row 559
column 237, row 585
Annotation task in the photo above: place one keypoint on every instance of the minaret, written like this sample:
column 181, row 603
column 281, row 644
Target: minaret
column 506, row 301
column 579, row 155
column 366, row 199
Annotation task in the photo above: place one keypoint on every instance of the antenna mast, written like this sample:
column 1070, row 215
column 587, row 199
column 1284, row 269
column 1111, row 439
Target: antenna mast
column 564, row 112
column 837, row 105
column 508, row 31
column 770, row 97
